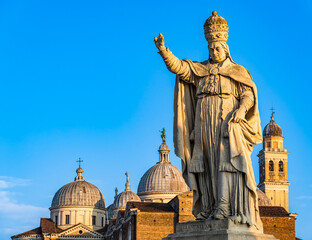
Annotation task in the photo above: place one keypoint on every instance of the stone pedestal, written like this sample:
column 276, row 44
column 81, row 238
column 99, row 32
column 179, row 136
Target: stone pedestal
column 217, row 230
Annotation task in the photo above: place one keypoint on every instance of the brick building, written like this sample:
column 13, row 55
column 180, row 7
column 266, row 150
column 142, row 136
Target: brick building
column 154, row 221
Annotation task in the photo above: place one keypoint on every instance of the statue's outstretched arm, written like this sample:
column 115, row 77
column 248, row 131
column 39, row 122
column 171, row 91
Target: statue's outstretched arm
column 174, row 64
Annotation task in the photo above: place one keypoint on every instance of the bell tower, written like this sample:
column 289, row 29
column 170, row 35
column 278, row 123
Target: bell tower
column 273, row 176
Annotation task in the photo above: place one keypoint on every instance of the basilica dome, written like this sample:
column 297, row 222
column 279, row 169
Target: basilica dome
column 163, row 181
column 122, row 198
column 272, row 129
column 78, row 193
column 78, row 202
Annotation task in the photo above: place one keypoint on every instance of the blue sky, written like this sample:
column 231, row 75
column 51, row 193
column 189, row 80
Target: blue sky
column 83, row 79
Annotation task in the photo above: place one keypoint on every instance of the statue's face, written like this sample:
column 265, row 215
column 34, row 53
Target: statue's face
column 217, row 52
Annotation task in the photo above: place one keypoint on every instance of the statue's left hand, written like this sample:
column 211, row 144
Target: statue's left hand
column 239, row 115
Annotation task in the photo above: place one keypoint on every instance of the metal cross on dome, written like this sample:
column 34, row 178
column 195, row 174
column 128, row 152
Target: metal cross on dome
column 272, row 109
column 80, row 161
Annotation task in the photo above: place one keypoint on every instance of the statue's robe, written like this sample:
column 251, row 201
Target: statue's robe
column 188, row 124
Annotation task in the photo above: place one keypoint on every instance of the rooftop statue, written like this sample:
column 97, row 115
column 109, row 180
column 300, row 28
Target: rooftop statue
column 163, row 135
column 216, row 123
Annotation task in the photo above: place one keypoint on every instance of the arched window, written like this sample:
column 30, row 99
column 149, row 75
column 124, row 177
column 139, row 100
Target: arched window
column 281, row 166
column 271, row 166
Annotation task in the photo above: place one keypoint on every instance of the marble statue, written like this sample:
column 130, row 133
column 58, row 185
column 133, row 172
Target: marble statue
column 216, row 122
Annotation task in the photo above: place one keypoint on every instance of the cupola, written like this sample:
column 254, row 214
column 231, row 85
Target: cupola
column 78, row 202
column 272, row 129
column 273, row 135
column 163, row 181
column 122, row 198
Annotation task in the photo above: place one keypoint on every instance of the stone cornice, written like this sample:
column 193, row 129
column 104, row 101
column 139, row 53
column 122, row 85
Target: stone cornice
column 158, row 193
column 73, row 208
column 273, row 183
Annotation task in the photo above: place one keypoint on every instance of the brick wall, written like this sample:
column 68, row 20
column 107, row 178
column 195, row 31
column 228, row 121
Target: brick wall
column 282, row 228
column 154, row 225
column 183, row 205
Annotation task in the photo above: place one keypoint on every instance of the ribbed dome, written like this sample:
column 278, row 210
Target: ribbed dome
column 272, row 129
column 79, row 193
column 122, row 198
column 162, row 177
column 263, row 199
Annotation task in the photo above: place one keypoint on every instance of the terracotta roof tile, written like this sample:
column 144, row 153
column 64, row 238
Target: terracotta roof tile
column 30, row 232
column 150, row 206
column 48, row 226
column 272, row 211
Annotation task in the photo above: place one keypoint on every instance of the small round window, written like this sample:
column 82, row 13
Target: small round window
column 80, row 231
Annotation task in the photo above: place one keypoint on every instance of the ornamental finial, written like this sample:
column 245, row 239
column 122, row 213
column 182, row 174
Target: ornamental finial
column 116, row 192
column 127, row 183
column 272, row 114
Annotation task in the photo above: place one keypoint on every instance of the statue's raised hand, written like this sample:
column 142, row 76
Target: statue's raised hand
column 160, row 42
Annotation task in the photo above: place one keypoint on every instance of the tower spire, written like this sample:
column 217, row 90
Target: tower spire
column 127, row 183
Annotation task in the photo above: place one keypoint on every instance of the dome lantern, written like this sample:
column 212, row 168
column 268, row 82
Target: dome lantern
column 79, row 171
column 79, row 176
column 163, row 181
column 163, row 149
